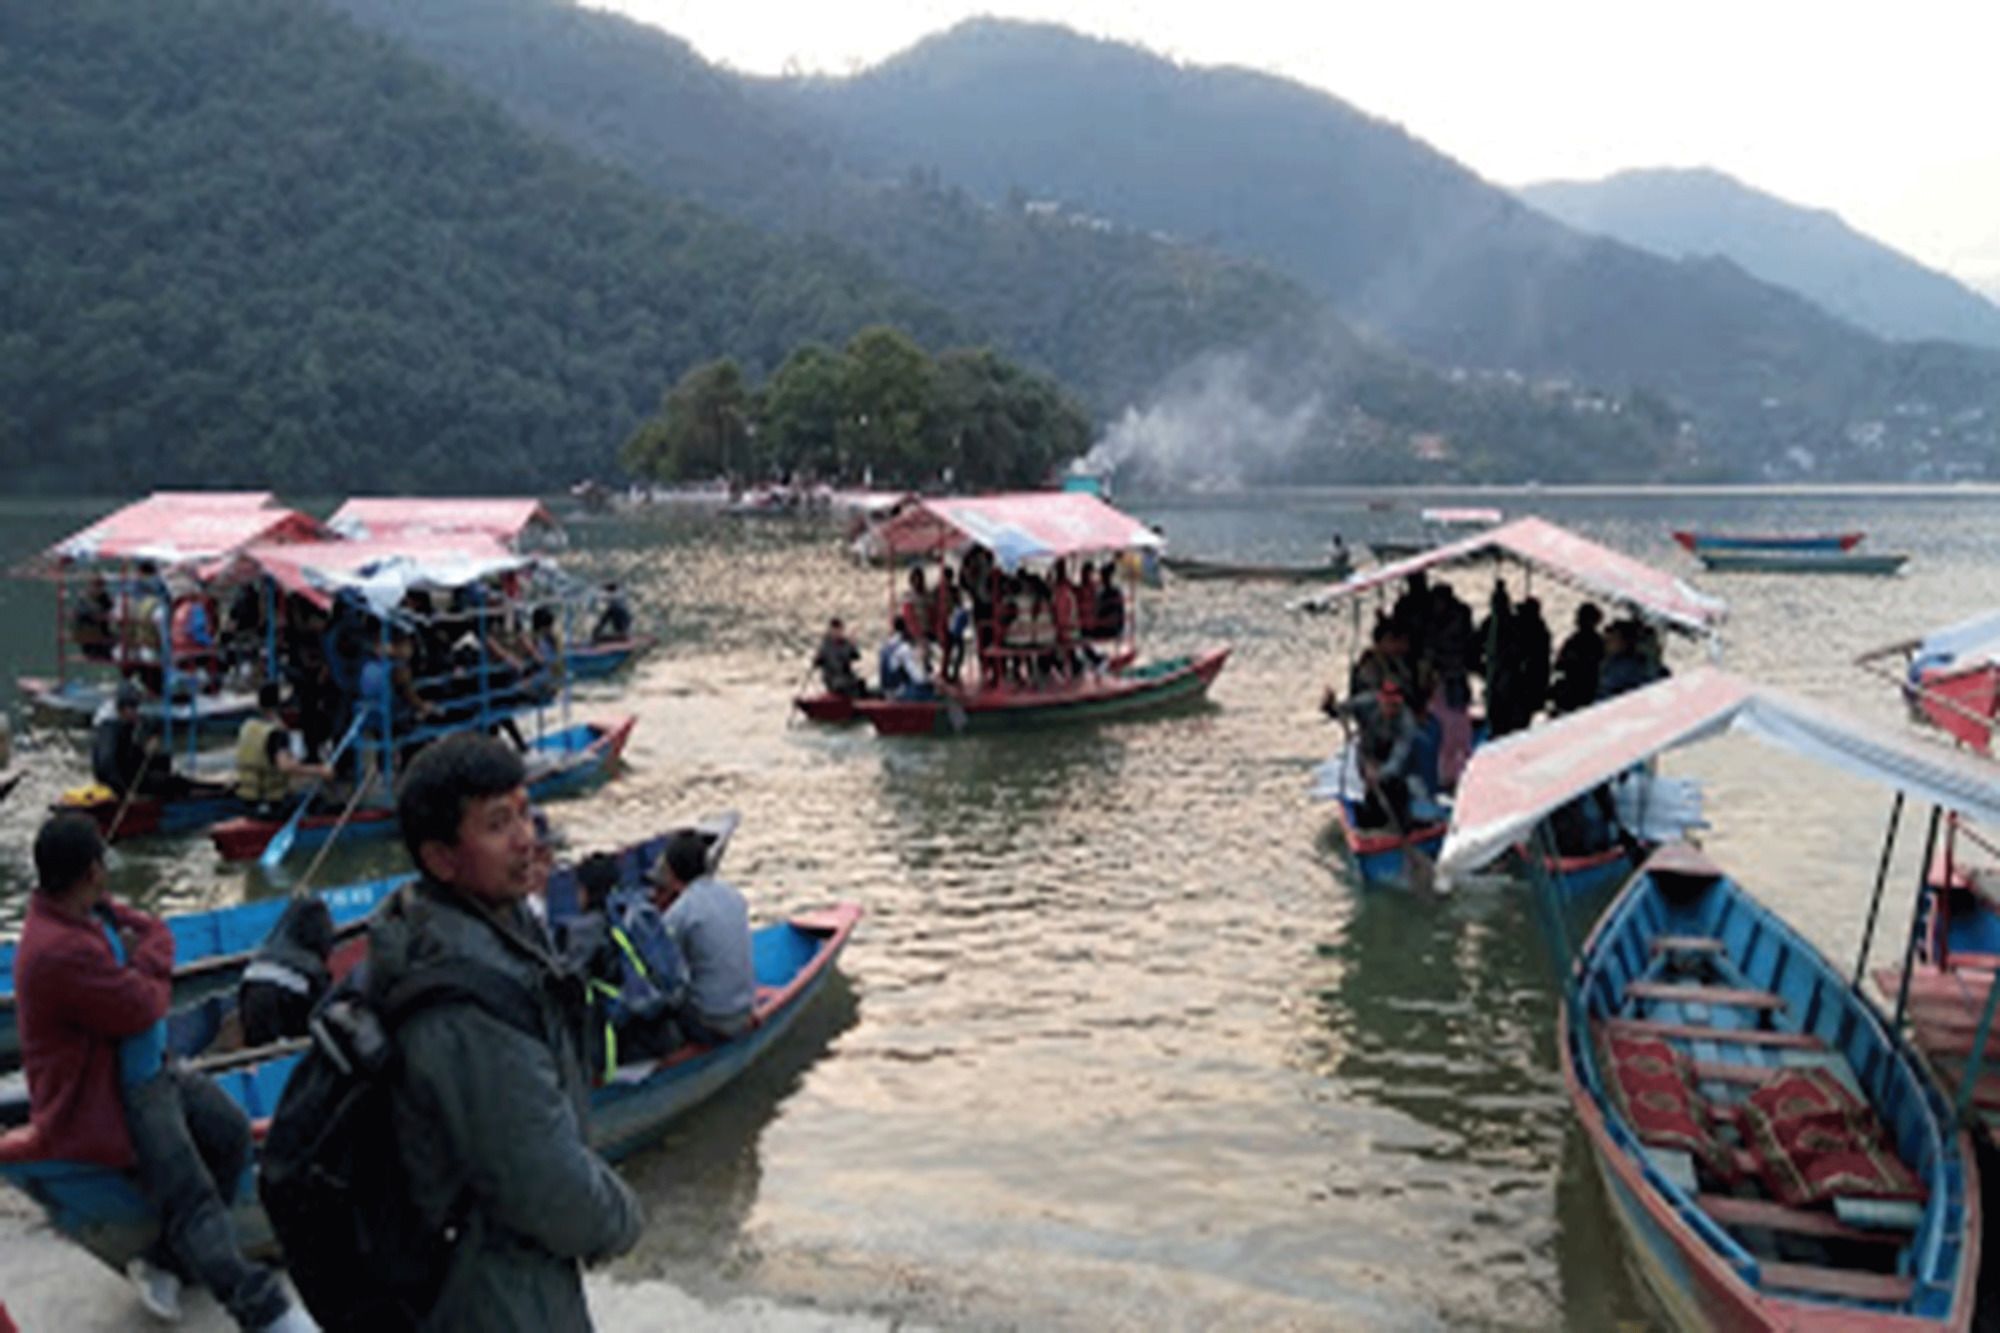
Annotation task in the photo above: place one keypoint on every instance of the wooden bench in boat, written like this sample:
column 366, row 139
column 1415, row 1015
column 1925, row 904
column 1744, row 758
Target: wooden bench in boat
column 1735, row 1212
column 1851, row 1284
column 1646, row 1027
column 1731, row 996
column 1686, row 944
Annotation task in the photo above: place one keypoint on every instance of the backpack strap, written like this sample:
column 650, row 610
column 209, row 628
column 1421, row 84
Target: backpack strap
column 463, row 983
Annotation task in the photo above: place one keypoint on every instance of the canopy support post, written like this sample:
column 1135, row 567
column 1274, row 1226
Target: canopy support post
column 1916, row 925
column 1970, row 1081
column 1881, row 881
column 1540, row 855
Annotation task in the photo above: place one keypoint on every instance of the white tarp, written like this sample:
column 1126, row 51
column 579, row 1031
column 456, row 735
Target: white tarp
column 1511, row 785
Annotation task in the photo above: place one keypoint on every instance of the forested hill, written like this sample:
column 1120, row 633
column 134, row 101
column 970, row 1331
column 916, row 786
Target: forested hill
column 1675, row 212
column 1399, row 235
column 247, row 242
column 1111, row 311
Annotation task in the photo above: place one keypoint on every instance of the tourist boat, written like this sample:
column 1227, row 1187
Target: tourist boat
column 827, row 708
column 103, row 1211
column 1538, row 546
column 1777, row 1159
column 594, row 661
column 1089, row 698
column 77, row 702
column 202, row 806
column 1801, row 562
column 560, row 763
column 1696, row 542
column 1951, row 677
column 1017, row 529
column 1188, row 567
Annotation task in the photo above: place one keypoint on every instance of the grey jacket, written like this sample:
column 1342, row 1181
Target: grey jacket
column 494, row 1123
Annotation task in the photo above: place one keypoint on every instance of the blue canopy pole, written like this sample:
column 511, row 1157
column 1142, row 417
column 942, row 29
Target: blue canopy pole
column 270, row 599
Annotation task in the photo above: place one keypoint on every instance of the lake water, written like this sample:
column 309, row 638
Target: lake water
column 1120, row 1043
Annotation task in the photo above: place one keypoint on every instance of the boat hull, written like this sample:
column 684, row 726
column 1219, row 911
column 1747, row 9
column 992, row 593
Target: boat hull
column 1799, row 562
column 1205, row 570
column 76, row 703
column 102, row 1209
column 149, row 816
column 829, row 709
column 1379, row 856
column 586, row 755
column 594, row 661
column 1156, row 686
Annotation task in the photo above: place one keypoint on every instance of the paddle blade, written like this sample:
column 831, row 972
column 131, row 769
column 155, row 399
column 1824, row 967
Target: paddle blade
column 280, row 845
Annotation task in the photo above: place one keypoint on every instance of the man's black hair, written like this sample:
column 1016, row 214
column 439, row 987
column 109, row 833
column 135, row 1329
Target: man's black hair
column 66, row 849
column 448, row 776
column 687, row 856
column 596, row 876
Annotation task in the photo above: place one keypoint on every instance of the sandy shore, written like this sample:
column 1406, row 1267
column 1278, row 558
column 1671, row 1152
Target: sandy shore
column 50, row 1286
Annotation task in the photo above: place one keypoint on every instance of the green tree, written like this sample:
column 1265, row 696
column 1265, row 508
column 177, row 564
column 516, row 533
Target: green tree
column 887, row 422
column 701, row 430
column 799, row 424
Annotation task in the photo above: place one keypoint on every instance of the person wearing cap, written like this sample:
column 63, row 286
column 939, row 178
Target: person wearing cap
column 93, row 979
column 709, row 921
column 1384, row 751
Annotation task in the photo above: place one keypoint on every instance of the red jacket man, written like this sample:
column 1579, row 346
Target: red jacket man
column 75, row 1003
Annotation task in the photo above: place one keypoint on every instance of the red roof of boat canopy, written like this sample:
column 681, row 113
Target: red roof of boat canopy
column 1032, row 525
column 1512, row 784
column 383, row 571
column 507, row 520
column 179, row 527
column 1563, row 555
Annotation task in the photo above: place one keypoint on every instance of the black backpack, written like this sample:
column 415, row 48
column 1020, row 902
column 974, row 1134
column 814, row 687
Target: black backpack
column 330, row 1176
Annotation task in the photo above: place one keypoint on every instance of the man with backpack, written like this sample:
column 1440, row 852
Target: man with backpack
column 445, row 1100
column 93, row 979
column 637, row 977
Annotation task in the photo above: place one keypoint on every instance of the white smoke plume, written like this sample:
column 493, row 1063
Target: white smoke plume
column 1204, row 430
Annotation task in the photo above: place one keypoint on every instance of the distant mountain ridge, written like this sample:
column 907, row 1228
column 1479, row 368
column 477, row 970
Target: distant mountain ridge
column 1405, row 240
column 1696, row 212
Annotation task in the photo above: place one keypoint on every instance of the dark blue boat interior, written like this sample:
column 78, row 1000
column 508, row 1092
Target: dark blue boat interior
column 1704, row 933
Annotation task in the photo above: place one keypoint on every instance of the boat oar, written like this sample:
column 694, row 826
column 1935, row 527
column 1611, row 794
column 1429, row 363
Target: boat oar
column 280, row 845
column 131, row 790
column 333, row 835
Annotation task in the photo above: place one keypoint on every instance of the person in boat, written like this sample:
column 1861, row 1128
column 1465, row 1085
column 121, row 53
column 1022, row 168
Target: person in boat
column 243, row 631
column 1017, row 615
column 144, row 630
column 288, row 974
column 976, row 577
column 489, row 1121
column 1625, row 666
column 834, row 659
column 1385, row 751
column 1578, row 662
column 709, row 921
column 305, row 666
column 194, row 639
column 1110, row 620
column 93, row 979
column 1386, row 659
column 1066, row 619
column 267, row 763
column 1530, row 648
column 1450, row 668
column 638, row 978
column 1338, row 556
column 90, row 622
column 918, row 608
column 1413, row 612
column 124, row 757
column 546, row 662
column 949, row 626
column 900, row 666
column 614, row 621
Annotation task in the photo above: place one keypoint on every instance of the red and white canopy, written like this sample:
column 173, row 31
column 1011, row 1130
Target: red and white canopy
column 508, row 521
column 383, row 572
column 181, row 527
column 1035, row 525
column 1511, row 785
column 1562, row 555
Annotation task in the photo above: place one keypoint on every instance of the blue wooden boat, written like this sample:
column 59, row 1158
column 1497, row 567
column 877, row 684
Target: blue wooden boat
column 1087, row 699
column 560, row 763
column 102, row 1209
column 77, row 701
column 1685, row 961
column 211, row 948
column 594, row 661
column 1801, row 562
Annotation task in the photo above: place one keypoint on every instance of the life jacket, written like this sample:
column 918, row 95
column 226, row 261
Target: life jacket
column 258, row 780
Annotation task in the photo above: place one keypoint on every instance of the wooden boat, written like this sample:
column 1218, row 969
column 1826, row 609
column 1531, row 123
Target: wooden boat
column 102, row 1209
column 594, row 661
column 1379, row 855
column 827, row 707
column 997, row 708
column 1188, row 567
column 1698, row 1020
column 1778, row 1158
column 1585, row 873
column 76, row 702
column 1696, row 542
column 202, row 806
column 1800, row 562
column 560, row 763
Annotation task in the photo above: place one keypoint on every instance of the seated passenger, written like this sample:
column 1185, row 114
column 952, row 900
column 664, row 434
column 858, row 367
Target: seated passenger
column 835, row 659
column 1384, row 752
column 900, row 667
column 708, row 919
column 1110, row 621
column 288, row 973
column 126, row 759
column 90, row 622
column 637, row 977
column 266, row 766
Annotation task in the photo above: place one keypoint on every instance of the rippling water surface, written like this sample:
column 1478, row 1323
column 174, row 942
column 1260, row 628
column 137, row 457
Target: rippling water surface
column 1120, row 1044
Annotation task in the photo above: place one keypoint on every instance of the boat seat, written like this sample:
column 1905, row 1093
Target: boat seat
column 1646, row 1027
column 1732, row 996
column 1851, row 1284
column 1686, row 944
column 1886, row 1215
column 1821, row 1225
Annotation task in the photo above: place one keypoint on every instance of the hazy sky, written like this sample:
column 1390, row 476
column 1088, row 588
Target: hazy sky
column 1887, row 113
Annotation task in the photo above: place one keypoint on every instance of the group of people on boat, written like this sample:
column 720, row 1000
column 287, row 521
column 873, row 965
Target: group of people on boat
column 489, row 1109
column 1025, row 629
column 1410, row 695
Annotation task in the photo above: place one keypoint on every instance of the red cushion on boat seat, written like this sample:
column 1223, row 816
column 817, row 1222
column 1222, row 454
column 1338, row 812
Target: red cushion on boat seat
column 20, row 1144
column 1653, row 1086
column 1814, row 1140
